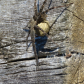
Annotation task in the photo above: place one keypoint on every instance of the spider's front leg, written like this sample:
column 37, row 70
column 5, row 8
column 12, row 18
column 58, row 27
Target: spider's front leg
column 32, row 33
column 34, row 46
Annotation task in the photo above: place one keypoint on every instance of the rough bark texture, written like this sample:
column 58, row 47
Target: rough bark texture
column 66, row 36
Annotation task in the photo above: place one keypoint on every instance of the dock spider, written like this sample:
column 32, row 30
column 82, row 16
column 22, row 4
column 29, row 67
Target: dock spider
column 38, row 25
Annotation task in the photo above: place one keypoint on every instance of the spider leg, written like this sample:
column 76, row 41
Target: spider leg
column 33, row 44
column 50, row 4
column 35, row 7
column 75, row 15
column 35, row 10
column 38, row 6
column 27, row 40
column 41, row 9
column 32, row 33
column 56, row 7
column 59, row 15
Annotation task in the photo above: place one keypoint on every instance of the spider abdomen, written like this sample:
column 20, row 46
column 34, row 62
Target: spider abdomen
column 44, row 26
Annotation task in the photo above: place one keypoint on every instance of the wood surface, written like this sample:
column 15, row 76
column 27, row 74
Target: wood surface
column 18, row 66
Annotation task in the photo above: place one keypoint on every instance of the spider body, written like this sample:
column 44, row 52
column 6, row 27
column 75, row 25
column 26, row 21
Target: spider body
column 44, row 26
column 42, row 23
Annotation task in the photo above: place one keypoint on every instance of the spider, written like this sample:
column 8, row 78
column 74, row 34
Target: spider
column 38, row 25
